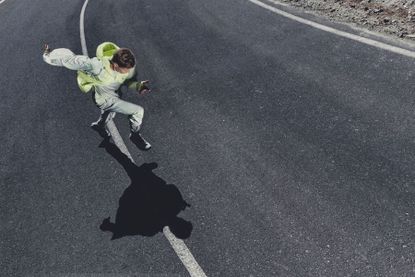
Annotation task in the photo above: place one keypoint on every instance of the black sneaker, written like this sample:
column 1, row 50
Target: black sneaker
column 101, row 130
column 139, row 141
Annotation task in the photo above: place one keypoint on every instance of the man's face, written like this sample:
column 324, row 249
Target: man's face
column 123, row 70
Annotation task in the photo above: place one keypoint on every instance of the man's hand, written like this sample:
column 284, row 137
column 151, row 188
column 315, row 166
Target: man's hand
column 143, row 88
column 46, row 49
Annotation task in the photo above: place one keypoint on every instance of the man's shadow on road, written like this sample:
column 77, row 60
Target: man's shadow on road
column 148, row 204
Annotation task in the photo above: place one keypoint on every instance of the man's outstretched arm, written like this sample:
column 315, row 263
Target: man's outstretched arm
column 66, row 58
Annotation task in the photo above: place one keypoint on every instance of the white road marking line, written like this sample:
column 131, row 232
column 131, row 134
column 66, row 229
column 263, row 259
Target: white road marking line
column 364, row 40
column 184, row 254
column 82, row 29
column 1, row 1
column 116, row 137
column 178, row 245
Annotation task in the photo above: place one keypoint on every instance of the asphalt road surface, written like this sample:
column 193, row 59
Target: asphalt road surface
column 294, row 147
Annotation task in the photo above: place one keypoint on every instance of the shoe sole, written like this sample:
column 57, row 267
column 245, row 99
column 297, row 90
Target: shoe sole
column 138, row 146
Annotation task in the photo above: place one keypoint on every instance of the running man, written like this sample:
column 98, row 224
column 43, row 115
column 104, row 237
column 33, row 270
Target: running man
column 104, row 75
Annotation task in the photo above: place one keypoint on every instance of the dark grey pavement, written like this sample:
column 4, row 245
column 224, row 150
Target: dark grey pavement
column 294, row 147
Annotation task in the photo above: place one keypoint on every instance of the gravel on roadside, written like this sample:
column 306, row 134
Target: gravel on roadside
column 394, row 17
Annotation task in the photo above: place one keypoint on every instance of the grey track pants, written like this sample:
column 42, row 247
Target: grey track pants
column 111, row 105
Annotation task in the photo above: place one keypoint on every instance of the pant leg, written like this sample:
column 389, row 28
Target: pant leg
column 134, row 112
column 105, row 116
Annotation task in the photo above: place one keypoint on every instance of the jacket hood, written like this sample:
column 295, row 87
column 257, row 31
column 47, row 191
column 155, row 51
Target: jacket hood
column 106, row 50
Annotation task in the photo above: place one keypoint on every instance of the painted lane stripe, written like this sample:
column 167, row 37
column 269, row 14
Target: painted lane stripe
column 82, row 29
column 178, row 245
column 184, row 254
column 364, row 40
column 1, row 1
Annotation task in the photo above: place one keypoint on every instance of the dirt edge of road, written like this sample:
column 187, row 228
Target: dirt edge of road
column 392, row 17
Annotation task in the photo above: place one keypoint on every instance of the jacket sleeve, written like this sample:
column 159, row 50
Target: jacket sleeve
column 132, row 81
column 66, row 58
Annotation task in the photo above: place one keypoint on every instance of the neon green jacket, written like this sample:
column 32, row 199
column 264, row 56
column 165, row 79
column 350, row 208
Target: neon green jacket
column 93, row 71
column 104, row 53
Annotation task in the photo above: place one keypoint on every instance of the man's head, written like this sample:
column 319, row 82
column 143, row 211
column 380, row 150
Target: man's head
column 123, row 60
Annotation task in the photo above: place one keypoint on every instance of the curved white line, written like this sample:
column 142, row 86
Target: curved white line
column 82, row 29
column 178, row 245
column 1, row 1
column 364, row 40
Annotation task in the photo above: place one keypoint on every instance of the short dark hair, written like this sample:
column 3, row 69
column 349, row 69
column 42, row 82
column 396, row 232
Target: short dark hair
column 124, row 58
